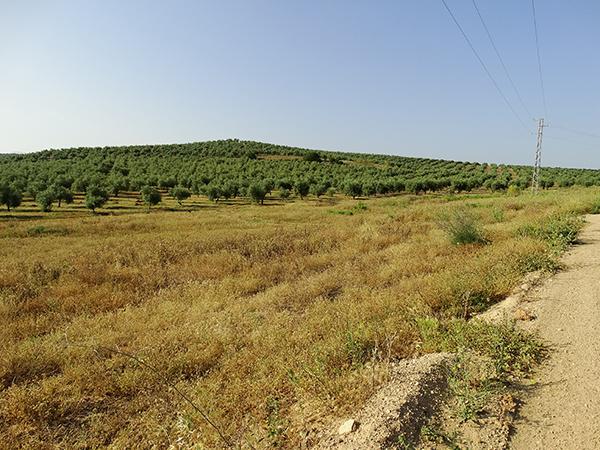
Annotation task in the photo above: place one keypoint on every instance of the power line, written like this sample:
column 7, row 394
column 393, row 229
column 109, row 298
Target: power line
column 501, row 60
column 539, row 59
column 560, row 138
column 574, row 142
column 484, row 66
column 582, row 133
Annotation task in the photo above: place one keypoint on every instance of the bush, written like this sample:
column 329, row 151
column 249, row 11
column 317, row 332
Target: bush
column 513, row 190
column 462, row 227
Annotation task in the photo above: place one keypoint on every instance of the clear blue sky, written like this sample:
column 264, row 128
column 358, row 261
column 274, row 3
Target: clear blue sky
column 390, row 77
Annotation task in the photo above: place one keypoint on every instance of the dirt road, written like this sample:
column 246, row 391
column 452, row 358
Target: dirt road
column 563, row 411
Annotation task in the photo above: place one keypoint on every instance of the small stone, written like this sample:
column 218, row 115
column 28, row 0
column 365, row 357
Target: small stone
column 523, row 314
column 349, row 426
column 525, row 287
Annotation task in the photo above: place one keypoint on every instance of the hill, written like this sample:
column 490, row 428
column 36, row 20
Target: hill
column 238, row 164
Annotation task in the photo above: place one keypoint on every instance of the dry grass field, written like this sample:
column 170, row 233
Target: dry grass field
column 272, row 320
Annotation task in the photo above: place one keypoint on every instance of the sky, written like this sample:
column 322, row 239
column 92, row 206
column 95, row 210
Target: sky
column 392, row 77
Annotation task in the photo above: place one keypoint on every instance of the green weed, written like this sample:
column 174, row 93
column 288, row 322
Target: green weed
column 513, row 351
column 41, row 230
column 558, row 231
column 462, row 227
column 595, row 208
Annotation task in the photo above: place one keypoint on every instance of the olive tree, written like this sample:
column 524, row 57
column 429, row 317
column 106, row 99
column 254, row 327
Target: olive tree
column 10, row 196
column 150, row 196
column 353, row 189
column 45, row 198
column 213, row 193
column 257, row 193
column 180, row 194
column 95, row 197
column 319, row 189
column 284, row 193
column 62, row 194
column 302, row 188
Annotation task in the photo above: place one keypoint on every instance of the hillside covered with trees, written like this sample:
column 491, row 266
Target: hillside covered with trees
column 231, row 168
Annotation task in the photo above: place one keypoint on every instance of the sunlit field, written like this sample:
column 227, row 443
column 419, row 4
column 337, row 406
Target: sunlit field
column 273, row 321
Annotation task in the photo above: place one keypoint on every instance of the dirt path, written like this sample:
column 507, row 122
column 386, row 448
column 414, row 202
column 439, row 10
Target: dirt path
column 563, row 411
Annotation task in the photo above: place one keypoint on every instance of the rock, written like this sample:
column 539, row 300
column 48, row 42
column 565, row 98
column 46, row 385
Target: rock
column 349, row 426
column 525, row 287
column 523, row 314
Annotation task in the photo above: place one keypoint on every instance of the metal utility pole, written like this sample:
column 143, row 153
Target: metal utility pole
column 535, row 182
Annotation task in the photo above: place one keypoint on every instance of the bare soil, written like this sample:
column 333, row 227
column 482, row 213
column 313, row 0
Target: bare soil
column 562, row 408
column 395, row 414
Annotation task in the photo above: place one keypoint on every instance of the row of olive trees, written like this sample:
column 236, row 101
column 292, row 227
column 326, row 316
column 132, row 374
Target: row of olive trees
column 97, row 193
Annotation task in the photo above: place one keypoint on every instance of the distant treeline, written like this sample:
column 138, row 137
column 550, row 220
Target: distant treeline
column 230, row 168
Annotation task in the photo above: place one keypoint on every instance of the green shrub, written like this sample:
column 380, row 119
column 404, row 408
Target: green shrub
column 513, row 190
column 532, row 262
column 360, row 206
column 462, row 227
column 558, row 231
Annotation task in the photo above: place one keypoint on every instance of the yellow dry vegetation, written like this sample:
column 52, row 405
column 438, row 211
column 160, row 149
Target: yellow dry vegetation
column 272, row 320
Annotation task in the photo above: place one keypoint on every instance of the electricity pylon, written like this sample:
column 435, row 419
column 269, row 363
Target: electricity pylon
column 535, row 182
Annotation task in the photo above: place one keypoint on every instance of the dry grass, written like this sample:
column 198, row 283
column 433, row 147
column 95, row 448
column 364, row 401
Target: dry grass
column 273, row 320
